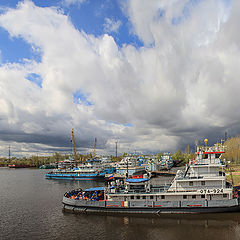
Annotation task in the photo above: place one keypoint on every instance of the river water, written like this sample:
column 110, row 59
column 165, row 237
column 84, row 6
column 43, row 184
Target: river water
column 31, row 208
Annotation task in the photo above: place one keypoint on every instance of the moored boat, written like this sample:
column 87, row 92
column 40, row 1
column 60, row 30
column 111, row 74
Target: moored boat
column 86, row 171
column 166, row 162
column 19, row 166
column 127, row 167
column 49, row 166
column 200, row 188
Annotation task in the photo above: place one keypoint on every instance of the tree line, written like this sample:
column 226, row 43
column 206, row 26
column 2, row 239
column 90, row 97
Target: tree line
column 232, row 150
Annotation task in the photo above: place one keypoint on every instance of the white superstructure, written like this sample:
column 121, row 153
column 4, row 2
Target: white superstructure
column 204, row 176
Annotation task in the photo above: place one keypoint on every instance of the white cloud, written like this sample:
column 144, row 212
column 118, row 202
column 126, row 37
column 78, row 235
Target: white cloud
column 111, row 26
column 181, row 85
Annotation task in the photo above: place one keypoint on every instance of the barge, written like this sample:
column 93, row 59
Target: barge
column 199, row 188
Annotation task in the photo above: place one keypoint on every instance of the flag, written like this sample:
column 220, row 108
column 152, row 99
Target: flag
column 110, row 177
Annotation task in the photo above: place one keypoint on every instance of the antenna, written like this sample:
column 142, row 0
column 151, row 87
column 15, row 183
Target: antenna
column 196, row 144
column 226, row 136
column 95, row 146
column 116, row 147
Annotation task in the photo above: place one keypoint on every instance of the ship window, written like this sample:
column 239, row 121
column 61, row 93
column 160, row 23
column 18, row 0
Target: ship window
column 132, row 197
column 190, row 183
column 203, row 183
column 151, row 197
column 193, row 196
column 143, row 197
column 138, row 197
column 184, row 196
column 162, row 197
column 202, row 196
column 205, row 156
column 225, row 195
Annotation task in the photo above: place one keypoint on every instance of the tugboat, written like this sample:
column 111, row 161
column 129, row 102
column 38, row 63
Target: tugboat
column 200, row 188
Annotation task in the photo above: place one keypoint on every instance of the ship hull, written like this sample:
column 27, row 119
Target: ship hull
column 75, row 176
column 84, row 206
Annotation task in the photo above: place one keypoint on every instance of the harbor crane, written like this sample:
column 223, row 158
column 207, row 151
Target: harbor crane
column 74, row 145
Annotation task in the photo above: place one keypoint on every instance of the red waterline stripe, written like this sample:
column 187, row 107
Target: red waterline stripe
column 196, row 205
column 209, row 152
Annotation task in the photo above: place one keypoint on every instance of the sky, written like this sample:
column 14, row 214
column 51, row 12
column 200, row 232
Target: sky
column 152, row 75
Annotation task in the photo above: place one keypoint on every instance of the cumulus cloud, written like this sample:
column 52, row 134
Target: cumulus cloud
column 111, row 25
column 180, row 86
column 189, row 60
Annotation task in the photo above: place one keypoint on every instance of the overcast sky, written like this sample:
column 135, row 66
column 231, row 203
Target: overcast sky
column 154, row 75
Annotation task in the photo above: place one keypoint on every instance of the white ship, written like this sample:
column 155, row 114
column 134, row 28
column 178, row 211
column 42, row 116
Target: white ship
column 200, row 188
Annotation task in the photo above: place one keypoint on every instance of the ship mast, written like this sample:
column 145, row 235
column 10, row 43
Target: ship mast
column 95, row 146
column 9, row 154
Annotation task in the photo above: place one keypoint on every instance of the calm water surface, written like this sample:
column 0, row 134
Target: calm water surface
column 31, row 208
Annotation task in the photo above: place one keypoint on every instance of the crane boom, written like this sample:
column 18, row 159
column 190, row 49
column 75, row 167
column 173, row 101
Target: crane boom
column 74, row 145
column 95, row 146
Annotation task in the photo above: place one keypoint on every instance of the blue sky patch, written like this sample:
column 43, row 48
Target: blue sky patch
column 128, row 125
column 186, row 11
column 91, row 16
column 124, row 124
column 160, row 14
column 79, row 97
column 14, row 50
column 9, row 3
column 35, row 78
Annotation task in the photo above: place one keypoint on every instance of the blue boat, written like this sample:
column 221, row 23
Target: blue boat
column 87, row 171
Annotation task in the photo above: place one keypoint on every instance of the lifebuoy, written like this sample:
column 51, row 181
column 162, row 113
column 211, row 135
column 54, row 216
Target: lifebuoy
column 196, row 162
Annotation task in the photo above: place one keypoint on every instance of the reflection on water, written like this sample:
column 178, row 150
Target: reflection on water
column 163, row 227
column 31, row 208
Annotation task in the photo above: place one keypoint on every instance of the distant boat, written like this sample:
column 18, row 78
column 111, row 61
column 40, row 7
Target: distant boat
column 49, row 166
column 165, row 162
column 19, row 166
column 128, row 166
column 66, row 163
